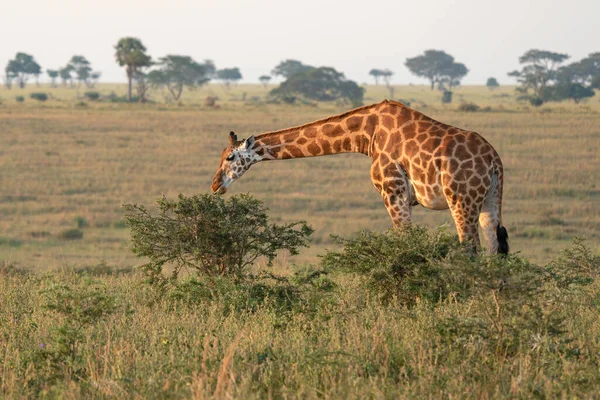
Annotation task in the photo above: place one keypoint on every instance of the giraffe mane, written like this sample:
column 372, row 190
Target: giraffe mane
column 325, row 120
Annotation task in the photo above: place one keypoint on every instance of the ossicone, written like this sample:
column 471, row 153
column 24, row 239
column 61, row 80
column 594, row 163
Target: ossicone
column 232, row 137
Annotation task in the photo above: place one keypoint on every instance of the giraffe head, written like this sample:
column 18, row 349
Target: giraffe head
column 235, row 160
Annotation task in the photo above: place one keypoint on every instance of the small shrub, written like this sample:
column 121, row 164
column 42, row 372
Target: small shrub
column 81, row 222
column 401, row 264
column 10, row 242
column 209, row 236
column 39, row 96
column 80, row 306
column 71, row 234
column 20, row 99
column 468, row 107
column 93, row 96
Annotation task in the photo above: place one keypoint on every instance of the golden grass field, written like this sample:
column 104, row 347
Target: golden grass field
column 77, row 322
column 69, row 158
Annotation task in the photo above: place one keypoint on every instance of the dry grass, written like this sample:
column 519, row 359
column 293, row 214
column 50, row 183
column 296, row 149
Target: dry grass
column 61, row 161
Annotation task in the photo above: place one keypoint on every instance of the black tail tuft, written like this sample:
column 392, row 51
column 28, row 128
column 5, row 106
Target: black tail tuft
column 502, row 236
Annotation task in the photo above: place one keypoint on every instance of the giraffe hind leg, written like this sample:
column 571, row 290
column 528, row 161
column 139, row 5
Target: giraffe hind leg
column 495, row 235
column 465, row 212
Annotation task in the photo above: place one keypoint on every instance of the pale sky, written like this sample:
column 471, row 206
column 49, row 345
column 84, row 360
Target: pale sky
column 351, row 36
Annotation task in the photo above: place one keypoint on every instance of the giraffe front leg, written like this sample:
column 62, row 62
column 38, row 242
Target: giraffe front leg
column 394, row 186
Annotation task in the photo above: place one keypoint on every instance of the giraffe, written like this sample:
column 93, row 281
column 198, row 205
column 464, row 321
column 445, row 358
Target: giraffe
column 416, row 160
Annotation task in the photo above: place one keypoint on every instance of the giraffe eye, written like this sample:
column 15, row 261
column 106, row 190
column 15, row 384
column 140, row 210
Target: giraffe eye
column 230, row 157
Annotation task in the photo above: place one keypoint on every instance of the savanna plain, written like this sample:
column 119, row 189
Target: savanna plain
column 78, row 321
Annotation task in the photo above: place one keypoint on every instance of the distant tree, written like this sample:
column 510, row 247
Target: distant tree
column 321, row 84
column 65, row 75
column 432, row 65
column 81, row 66
column 21, row 68
column 142, row 85
column 52, row 74
column 94, row 78
column 264, row 79
column 386, row 74
column 174, row 72
column 131, row 53
column 376, row 73
column 537, row 75
column 288, row 68
column 451, row 76
column 8, row 77
column 492, row 83
column 584, row 71
column 228, row 75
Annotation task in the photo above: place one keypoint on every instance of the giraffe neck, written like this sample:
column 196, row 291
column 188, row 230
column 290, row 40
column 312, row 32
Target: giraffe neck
column 351, row 132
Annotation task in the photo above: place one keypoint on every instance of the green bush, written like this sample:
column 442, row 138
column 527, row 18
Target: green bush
column 39, row 96
column 416, row 263
column 92, row 95
column 71, row 234
column 81, row 222
column 79, row 305
column 20, row 99
column 208, row 235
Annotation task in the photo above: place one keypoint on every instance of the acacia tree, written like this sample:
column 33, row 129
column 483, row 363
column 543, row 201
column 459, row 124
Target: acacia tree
column 537, row 75
column 65, row 75
column 321, row 84
column 228, row 75
column 432, row 65
column 21, row 68
column 375, row 73
column 131, row 53
column 174, row 72
column 288, row 68
column 52, row 74
column 81, row 66
column 264, row 79
column 492, row 83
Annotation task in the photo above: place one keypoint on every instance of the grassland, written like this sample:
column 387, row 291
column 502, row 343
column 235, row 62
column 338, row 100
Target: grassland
column 69, row 160
column 70, row 163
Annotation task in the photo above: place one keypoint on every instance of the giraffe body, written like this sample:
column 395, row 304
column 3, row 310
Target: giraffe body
column 416, row 160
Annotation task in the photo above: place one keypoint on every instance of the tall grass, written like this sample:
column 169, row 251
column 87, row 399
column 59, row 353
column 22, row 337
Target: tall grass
column 96, row 334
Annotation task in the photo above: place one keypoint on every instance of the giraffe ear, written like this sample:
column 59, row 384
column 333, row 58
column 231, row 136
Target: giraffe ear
column 232, row 137
column 248, row 142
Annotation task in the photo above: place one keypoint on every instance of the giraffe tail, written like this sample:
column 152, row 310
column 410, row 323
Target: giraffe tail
column 501, row 233
column 502, row 236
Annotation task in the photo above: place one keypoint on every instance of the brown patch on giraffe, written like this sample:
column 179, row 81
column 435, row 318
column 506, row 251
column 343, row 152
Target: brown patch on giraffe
column 310, row 132
column 370, row 124
column 337, row 146
column 410, row 148
column 388, row 122
column 285, row 155
column 473, row 144
column 460, row 151
column 358, row 143
column 431, row 144
column 326, row 146
column 260, row 151
column 354, row 123
column 467, row 164
column 295, row 151
column 347, row 144
column 313, row 149
column 409, row 132
column 290, row 137
column 333, row 130
column 301, row 141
